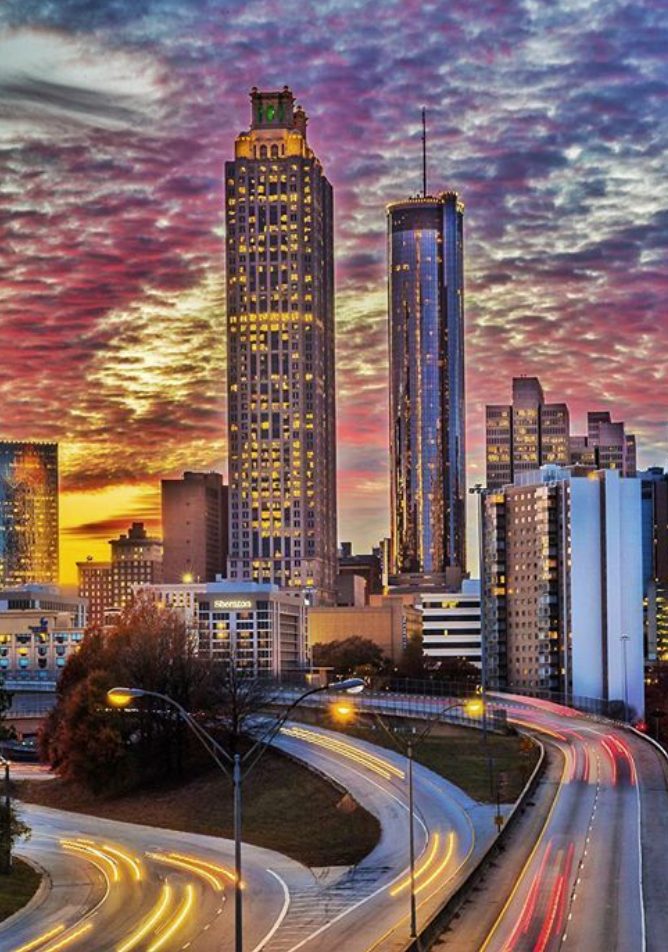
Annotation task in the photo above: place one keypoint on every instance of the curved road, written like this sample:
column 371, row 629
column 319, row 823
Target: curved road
column 367, row 908
column 582, row 885
column 122, row 887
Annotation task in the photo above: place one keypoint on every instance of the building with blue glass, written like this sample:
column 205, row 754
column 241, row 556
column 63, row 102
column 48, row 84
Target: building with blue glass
column 427, row 424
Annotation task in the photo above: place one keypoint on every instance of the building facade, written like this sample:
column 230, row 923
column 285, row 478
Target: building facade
column 194, row 528
column 427, row 405
column 562, row 592
column 654, row 483
column 136, row 559
column 280, row 347
column 28, row 512
column 260, row 626
column 39, row 629
column 389, row 621
column 526, row 434
column 451, row 623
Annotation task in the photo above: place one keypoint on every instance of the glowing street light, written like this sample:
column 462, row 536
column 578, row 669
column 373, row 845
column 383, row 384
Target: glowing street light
column 232, row 765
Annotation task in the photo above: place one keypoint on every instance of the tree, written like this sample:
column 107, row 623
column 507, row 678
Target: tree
column 354, row 655
column 109, row 750
column 6, row 732
column 412, row 661
column 12, row 827
column 232, row 696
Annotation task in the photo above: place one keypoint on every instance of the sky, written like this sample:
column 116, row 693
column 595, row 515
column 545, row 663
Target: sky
column 116, row 118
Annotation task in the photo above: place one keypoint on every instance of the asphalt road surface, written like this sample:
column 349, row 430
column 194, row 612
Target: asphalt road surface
column 582, row 886
column 121, row 887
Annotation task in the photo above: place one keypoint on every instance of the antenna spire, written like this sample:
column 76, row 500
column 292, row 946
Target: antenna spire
column 424, row 151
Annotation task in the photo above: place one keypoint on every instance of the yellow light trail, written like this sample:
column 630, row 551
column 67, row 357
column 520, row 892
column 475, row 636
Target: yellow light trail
column 213, row 866
column 439, row 869
column 40, row 940
column 86, row 849
column 177, row 921
column 376, row 764
column 70, row 938
column 149, row 924
column 126, row 857
column 405, row 883
column 189, row 866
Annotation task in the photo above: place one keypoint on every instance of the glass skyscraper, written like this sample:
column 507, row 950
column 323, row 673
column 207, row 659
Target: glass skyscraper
column 280, row 352
column 426, row 333
column 28, row 513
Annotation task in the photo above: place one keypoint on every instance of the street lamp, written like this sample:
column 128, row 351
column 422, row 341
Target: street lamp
column 6, row 858
column 232, row 765
column 473, row 708
column 624, row 639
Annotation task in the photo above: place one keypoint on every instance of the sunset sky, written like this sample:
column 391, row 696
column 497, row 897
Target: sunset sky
column 116, row 116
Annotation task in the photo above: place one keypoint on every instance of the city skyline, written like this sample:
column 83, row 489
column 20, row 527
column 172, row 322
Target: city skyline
column 113, row 150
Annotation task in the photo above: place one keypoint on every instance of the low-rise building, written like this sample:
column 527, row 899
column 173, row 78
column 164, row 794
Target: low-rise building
column 451, row 623
column 387, row 621
column 40, row 627
column 259, row 625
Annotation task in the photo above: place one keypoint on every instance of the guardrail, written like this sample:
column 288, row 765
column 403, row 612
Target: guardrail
column 430, row 933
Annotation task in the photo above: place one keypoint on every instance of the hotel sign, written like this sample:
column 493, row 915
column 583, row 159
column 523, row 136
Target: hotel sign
column 233, row 603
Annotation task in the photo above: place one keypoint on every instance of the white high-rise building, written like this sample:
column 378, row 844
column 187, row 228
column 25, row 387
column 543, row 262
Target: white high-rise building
column 563, row 586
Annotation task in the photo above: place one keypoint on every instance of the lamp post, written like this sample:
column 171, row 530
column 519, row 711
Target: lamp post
column 232, row 765
column 6, row 858
column 473, row 706
column 624, row 639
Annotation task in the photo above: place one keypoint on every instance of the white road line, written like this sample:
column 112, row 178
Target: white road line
column 643, row 929
column 281, row 915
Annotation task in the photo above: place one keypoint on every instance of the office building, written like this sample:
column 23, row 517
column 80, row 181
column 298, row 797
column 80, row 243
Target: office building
column 613, row 447
column 562, row 594
column 451, row 623
column 427, row 423
column 526, row 434
column 389, row 621
column 260, row 626
column 136, row 558
column 280, row 350
column 194, row 528
column 654, row 483
column 95, row 586
column 40, row 628
column 28, row 512
column 366, row 565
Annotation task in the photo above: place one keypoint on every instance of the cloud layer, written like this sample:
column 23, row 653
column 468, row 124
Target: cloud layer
column 116, row 119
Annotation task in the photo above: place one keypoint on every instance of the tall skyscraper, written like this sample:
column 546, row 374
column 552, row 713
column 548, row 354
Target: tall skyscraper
column 524, row 435
column 28, row 512
column 194, row 528
column 427, row 425
column 280, row 352
column 563, row 586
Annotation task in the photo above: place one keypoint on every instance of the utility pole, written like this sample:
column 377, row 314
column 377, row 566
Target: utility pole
column 6, row 857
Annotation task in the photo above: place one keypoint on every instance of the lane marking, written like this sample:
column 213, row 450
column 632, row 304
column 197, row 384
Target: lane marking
column 282, row 914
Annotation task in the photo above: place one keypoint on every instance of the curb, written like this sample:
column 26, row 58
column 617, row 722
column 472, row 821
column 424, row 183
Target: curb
column 38, row 896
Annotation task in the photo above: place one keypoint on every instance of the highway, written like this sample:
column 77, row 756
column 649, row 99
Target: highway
column 122, row 887
column 367, row 908
column 582, row 885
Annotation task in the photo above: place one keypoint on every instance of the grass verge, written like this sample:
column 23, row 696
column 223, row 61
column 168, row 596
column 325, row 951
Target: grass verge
column 286, row 808
column 18, row 888
column 456, row 753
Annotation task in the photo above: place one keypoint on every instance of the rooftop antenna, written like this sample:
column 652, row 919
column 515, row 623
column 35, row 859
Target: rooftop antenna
column 424, row 151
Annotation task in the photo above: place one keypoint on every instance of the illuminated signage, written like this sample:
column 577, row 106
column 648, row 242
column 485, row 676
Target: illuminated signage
column 232, row 603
